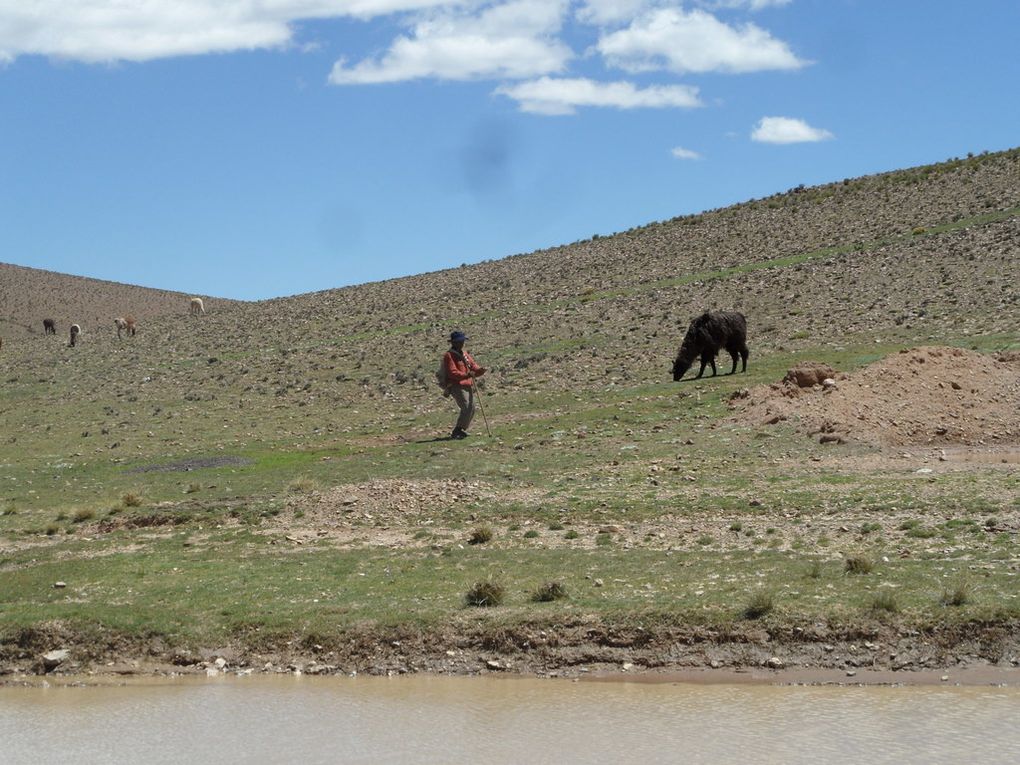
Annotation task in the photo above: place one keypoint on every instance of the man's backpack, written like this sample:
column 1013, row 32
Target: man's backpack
column 441, row 379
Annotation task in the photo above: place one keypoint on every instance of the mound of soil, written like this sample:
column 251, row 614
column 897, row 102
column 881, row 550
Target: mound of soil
column 924, row 396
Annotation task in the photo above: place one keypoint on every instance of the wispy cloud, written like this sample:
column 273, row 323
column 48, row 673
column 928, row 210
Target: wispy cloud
column 787, row 130
column 557, row 96
column 681, row 153
column 115, row 30
column 694, row 41
column 512, row 40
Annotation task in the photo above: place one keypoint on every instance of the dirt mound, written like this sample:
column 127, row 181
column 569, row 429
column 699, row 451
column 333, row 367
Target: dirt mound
column 387, row 500
column 927, row 395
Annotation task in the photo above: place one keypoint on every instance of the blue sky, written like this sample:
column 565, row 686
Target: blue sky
column 257, row 149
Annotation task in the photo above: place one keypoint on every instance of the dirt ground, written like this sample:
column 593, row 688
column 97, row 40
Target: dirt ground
column 926, row 396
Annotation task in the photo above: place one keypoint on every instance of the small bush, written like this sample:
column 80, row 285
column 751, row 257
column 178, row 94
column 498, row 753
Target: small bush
column 572, row 534
column 918, row 230
column 815, row 570
column 705, row 539
column 549, row 592
column 760, row 604
column 858, row 564
column 131, row 500
column 83, row 515
column 920, row 532
column 52, row 529
column 302, row 485
column 885, row 602
column 530, row 534
column 867, row 528
column 736, row 526
column 481, row 535
column 958, row 595
column 485, row 594
column 555, row 526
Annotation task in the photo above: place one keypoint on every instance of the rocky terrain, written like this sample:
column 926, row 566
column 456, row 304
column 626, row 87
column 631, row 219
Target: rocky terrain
column 270, row 482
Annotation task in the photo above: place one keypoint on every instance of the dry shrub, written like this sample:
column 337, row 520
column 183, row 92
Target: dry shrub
column 549, row 592
column 485, row 594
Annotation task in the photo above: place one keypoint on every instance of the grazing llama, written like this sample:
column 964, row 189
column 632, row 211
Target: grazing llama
column 49, row 326
column 125, row 324
column 75, row 331
column 197, row 307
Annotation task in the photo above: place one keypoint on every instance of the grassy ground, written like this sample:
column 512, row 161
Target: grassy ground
column 645, row 503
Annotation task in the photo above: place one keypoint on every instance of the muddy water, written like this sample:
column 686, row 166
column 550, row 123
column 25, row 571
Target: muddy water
column 480, row 720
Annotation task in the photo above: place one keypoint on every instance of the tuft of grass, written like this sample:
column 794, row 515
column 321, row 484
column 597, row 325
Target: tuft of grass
column 481, row 535
column 736, row 526
column 83, row 515
column 555, row 526
column 302, row 485
column 870, row 526
column 885, row 602
column 131, row 500
column 761, row 603
column 531, row 534
column 858, row 564
column 52, row 529
column 815, row 570
column 571, row 534
column 921, row 532
column 485, row 594
column 959, row 594
column 549, row 592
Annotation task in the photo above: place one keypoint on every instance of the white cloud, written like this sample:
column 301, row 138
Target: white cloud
column 754, row 5
column 611, row 11
column 141, row 30
column 563, row 96
column 511, row 40
column 787, row 130
column 681, row 153
column 694, row 41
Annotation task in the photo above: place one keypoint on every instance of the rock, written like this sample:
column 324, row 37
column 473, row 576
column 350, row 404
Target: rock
column 220, row 663
column 54, row 659
column 598, row 582
column 851, row 672
column 715, row 664
column 810, row 373
column 493, row 664
column 59, row 585
column 628, row 666
column 775, row 663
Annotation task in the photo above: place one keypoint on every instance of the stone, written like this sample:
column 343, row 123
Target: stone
column 60, row 585
column 54, row 659
column 775, row 663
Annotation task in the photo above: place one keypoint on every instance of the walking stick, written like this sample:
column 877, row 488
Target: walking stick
column 478, row 393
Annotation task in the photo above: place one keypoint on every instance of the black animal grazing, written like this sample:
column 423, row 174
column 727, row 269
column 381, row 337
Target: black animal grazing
column 706, row 336
column 49, row 326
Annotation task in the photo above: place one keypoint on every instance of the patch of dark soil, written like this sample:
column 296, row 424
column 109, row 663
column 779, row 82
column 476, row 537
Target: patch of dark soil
column 195, row 463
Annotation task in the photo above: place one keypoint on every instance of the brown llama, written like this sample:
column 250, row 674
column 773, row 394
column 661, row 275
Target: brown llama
column 125, row 324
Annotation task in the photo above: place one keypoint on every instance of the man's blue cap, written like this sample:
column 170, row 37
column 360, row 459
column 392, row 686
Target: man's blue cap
column 458, row 337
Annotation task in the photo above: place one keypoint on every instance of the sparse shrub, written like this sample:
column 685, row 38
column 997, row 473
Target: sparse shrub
column 920, row 532
column 531, row 534
column 52, row 529
column 302, row 485
column 572, row 534
column 736, row 526
column 485, row 594
column 858, row 564
column 885, row 602
column 555, row 526
column 705, row 539
column 481, row 535
column 918, row 230
column 83, row 515
column 131, row 500
column 815, row 570
column 913, row 523
column 867, row 528
column 761, row 603
column 549, row 592
column 958, row 595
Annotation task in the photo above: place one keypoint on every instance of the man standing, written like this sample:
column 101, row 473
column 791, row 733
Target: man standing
column 461, row 371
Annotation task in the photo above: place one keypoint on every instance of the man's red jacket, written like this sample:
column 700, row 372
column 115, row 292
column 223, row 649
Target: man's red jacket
column 459, row 368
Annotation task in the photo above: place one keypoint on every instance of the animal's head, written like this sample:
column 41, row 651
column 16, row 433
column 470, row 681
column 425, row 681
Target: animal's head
column 683, row 362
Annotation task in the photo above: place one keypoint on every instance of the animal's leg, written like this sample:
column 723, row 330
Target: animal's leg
column 702, row 370
column 733, row 355
column 712, row 362
column 744, row 353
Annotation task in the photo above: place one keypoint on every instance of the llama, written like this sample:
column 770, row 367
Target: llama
column 197, row 307
column 49, row 326
column 709, row 333
column 125, row 324
column 75, row 331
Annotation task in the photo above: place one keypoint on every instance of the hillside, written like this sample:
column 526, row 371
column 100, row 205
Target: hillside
column 271, row 481
column 29, row 295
